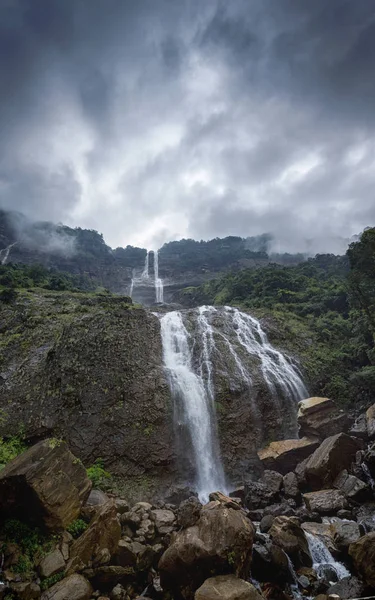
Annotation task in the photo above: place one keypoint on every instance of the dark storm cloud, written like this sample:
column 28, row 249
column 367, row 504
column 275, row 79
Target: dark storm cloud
column 157, row 119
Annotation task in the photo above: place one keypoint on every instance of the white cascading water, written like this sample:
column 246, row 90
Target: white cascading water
column 190, row 362
column 189, row 389
column 159, row 288
column 322, row 558
column 145, row 273
column 4, row 253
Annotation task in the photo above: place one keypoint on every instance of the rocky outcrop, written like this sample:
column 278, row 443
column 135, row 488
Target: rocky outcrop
column 334, row 454
column 47, row 483
column 220, row 542
column 320, row 417
column 363, row 555
column 74, row 587
column 228, row 587
column 353, row 488
column 285, row 455
column 325, row 502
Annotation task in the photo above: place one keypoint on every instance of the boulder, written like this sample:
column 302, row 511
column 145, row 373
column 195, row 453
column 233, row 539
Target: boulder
column 352, row 487
column 369, row 461
column 287, row 533
column 189, row 512
column 99, row 542
column 219, row 543
column 365, row 516
column 345, row 533
column 97, row 498
column 270, row 564
column 325, row 502
column 74, row 587
column 228, row 501
column 290, row 484
column 334, row 454
column 363, row 555
column 227, row 587
column 165, row 520
column 25, row 590
column 52, row 563
column 370, row 421
column 46, row 483
column 284, row 456
column 259, row 495
column 348, row 588
column 359, row 428
column 320, row 417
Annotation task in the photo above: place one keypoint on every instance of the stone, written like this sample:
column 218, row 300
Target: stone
column 228, row 501
column 25, row 590
column 300, row 472
column 363, row 555
column 52, row 563
column 126, row 554
column 287, row 533
column 352, row 487
column 320, row 417
column 284, row 456
column 50, row 479
column 266, row 523
column 334, row 454
column 164, row 520
column 226, row 587
column 270, row 564
column 370, row 421
column 325, row 502
column 97, row 498
column 109, row 575
column 118, row 593
column 122, row 506
column 359, row 428
column 74, row 587
column 259, row 495
column 290, row 484
column 188, row 512
column 365, row 516
column 345, row 533
column 98, row 542
column 220, row 541
column 272, row 480
column 348, row 588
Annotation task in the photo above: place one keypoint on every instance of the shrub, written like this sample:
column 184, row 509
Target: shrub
column 77, row 527
column 97, row 473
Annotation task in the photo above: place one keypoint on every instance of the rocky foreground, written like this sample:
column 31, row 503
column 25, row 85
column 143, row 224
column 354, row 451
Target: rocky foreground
column 62, row 540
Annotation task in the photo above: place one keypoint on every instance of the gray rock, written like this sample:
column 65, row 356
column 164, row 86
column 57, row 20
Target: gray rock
column 97, row 498
column 52, row 563
column 325, row 502
column 74, row 587
column 352, row 487
column 189, row 512
column 290, row 482
column 228, row 587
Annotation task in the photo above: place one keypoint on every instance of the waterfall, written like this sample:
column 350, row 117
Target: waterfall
column 323, row 561
column 202, row 348
column 194, row 403
column 159, row 289
column 145, row 273
column 4, row 253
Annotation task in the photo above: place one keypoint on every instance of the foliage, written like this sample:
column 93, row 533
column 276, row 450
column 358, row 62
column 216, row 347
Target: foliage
column 50, row 581
column 77, row 527
column 98, row 474
column 14, row 276
column 32, row 542
column 10, row 448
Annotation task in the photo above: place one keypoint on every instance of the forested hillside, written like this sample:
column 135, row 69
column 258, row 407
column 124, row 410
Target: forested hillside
column 327, row 303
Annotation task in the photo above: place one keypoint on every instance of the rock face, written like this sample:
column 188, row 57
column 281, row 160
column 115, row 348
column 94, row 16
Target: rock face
column 335, row 454
column 227, row 587
column 48, row 478
column 89, row 370
column 220, row 542
column 287, row 533
column 363, row 555
column 320, row 417
column 325, row 502
column 285, row 455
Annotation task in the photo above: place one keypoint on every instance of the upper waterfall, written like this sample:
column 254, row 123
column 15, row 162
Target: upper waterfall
column 209, row 351
column 143, row 281
column 159, row 288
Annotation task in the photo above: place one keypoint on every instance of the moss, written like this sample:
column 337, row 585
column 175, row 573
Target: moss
column 76, row 528
column 50, row 581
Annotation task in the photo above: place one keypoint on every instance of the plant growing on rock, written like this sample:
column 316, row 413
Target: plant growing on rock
column 98, row 474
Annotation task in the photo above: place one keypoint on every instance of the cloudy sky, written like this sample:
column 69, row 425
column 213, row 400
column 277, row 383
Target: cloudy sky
column 152, row 120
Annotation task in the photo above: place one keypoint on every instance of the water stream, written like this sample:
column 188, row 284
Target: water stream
column 323, row 562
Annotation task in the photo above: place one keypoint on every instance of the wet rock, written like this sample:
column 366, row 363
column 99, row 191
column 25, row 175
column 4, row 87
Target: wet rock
column 178, row 493
column 259, row 495
column 270, row 564
column 228, row 501
column 325, row 502
column 300, row 472
column 165, row 520
column 286, row 509
column 98, row 542
column 285, row 455
column 50, row 479
column 324, row 532
column 290, row 484
column 345, row 533
column 352, row 487
column 74, row 587
column 320, row 417
column 52, row 563
column 228, row 587
column 287, row 533
column 363, row 555
column 333, row 456
column 365, row 515
column 266, row 523
column 347, row 588
column 359, row 428
column 273, row 481
column 370, row 421
column 189, row 512
column 221, row 541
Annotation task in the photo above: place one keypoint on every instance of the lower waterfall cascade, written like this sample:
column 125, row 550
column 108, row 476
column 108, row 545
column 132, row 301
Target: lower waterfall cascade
column 192, row 341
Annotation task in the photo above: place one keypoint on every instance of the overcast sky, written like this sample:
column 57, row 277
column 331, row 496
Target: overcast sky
column 152, row 120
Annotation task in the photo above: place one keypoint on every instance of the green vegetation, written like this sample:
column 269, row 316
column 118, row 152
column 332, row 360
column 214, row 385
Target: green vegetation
column 50, row 581
column 98, row 475
column 13, row 276
column 323, row 309
column 33, row 544
column 9, row 449
column 77, row 527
